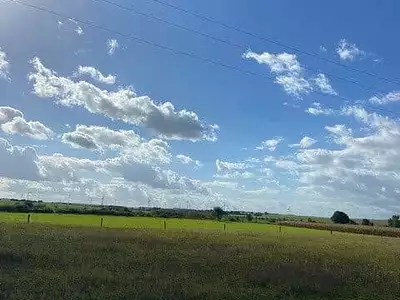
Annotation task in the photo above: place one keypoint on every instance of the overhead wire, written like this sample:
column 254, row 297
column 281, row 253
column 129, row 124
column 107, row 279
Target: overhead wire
column 227, row 42
column 273, row 41
column 172, row 50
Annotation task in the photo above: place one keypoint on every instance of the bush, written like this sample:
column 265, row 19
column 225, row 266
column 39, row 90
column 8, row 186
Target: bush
column 365, row 222
column 249, row 217
column 394, row 221
column 340, row 217
column 218, row 212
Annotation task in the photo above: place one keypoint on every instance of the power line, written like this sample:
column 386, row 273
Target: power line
column 172, row 50
column 227, row 42
column 273, row 41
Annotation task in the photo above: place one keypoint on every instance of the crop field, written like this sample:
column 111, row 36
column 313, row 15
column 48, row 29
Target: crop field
column 358, row 229
column 130, row 222
column 48, row 260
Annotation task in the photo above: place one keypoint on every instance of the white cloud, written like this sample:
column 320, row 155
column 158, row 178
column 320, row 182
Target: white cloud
column 130, row 144
column 8, row 113
column 323, row 84
column 288, row 71
column 112, row 45
column 79, row 31
column 4, row 65
column 305, row 142
column 224, row 166
column 348, row 51
column 123, row 104
column 60, row 24
column 235, row 175
column 18, row 162
column 129, row 168
column 12, row 122
column 293, row 84
column 386, row 99
column 317, row 109
column 96, row 75
column 278, row 63
column 290, row 75
column 184, row 159
column 359, row 166
column 270, row 144
column 322, row 49
column 33, row 129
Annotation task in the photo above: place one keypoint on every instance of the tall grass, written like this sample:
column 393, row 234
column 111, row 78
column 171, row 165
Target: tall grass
column 48, row 262
column 358, row 229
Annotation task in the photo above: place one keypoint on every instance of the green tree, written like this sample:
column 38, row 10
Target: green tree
column 366, row 222
column 394, row 221
column 218, row 212
column 340, row 217
column 249, row 217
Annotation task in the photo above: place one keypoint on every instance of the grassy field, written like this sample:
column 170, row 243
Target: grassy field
column 358, row 229
column 130, row 222
column 57, row 262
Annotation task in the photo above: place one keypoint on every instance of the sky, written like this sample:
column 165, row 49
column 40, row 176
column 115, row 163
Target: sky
column 270, row 106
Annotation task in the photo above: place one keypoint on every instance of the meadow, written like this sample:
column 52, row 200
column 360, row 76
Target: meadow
column 62, row 257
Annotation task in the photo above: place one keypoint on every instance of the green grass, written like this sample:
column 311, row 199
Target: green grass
column 40, row 261
column 129, row 222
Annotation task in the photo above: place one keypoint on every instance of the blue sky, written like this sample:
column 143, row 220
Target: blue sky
column 139, row 122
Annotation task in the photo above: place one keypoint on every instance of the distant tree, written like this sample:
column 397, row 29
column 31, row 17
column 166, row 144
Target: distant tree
column 394, row 221
column 218, row 212
column 365, row 222
column 340, row 217
column 249, row 217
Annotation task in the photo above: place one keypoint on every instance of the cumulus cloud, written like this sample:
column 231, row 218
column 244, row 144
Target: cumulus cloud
column 127, row 167
column 270, row 144
column 349, row 51
column 126, row 141
column 12, row 122
column 361, row 168
column 4, row 65
column 386, row 99
column 123, row 105
column 186, row 160
column 317, row 109
column 79, row 140
column 305, row 142
column 290, row 74
column 18, row 162
column 112, row 45
column 79, row 30
column 286, row 67
column 96, row 74
column 8, row 113
column 323, row 84
column 235, row 175
column 224, row 166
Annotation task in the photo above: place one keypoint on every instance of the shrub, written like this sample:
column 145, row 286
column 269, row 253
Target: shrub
column 340, row 217
column 394, row 221
column 365, row 222
column 218, row 212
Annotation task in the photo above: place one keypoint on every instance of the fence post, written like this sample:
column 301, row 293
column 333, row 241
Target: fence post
column 224, row 226
column 101, row 222
column 29, row 218
column 280, row 229
column 165, row 224
column 331, row 232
